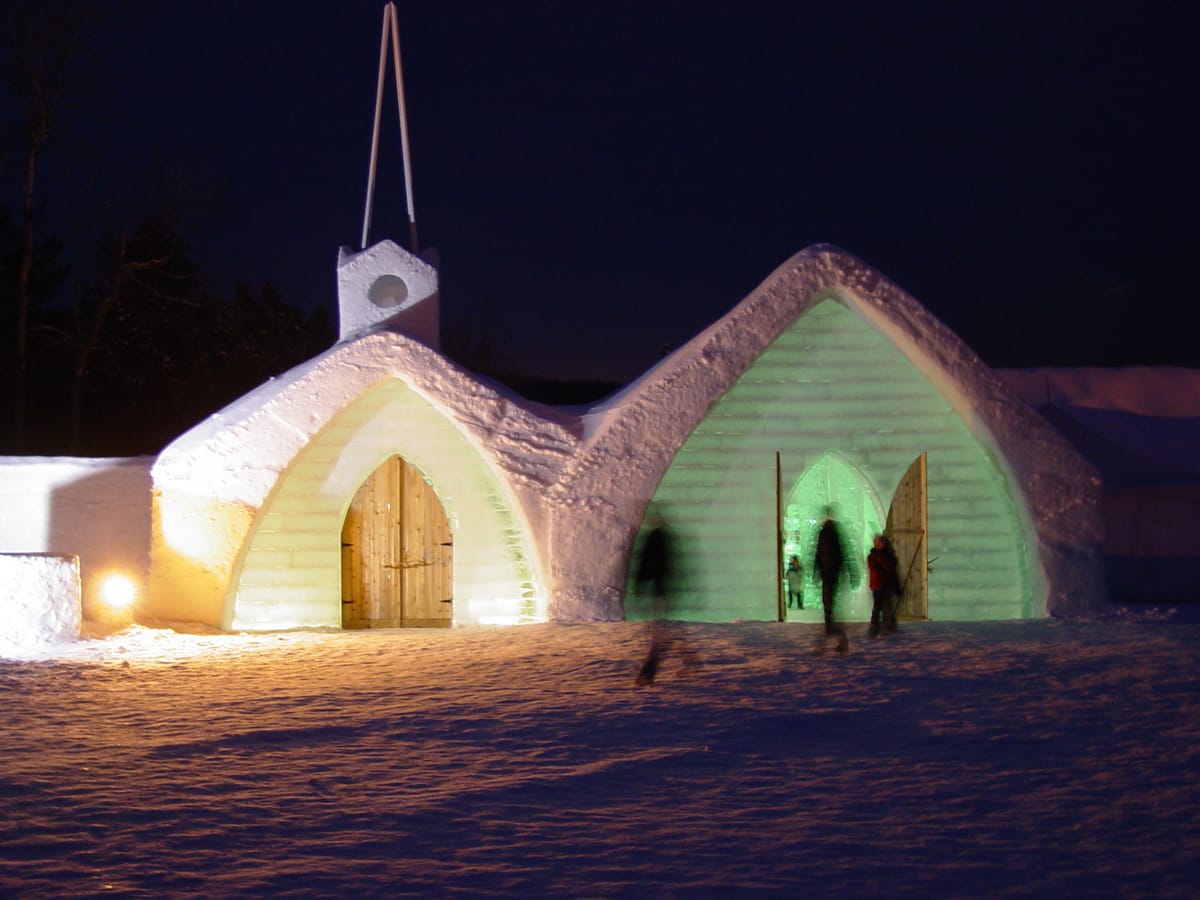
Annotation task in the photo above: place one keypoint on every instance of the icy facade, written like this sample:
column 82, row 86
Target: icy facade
column 839, row 372
column 846, row 414
column 1026, row 497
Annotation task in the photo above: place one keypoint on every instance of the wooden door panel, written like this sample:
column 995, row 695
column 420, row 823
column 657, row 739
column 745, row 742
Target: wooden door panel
column 396, row 553
column 906, row 528
column 354, row 612
column 426, row 602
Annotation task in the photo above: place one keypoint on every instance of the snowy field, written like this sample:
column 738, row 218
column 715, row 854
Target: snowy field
column 1029, row 759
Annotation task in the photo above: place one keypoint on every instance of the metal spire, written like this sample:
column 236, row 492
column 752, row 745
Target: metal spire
column 390, row 27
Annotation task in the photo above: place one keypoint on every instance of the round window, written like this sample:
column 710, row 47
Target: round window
column 388, row 291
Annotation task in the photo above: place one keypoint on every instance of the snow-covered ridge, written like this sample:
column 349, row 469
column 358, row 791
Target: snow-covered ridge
column 1168, row 391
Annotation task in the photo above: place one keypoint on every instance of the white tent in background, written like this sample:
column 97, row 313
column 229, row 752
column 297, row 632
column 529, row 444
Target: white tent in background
column 382, row 484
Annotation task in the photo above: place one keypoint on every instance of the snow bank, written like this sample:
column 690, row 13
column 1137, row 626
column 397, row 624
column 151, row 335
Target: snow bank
column 39, row 601
column 1146, row 390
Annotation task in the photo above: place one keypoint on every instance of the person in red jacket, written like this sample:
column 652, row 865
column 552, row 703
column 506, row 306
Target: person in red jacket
column 885, row 585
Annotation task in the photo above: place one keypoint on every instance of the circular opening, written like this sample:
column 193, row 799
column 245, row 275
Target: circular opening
column 388, row 291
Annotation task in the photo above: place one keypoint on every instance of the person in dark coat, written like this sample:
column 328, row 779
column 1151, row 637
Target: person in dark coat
column 654, row 573
column 830, row 563
column 655, row 563
column 885, row 585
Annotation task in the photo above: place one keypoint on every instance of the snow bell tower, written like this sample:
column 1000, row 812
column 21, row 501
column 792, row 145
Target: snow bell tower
column 383, row 283
column 387, row 284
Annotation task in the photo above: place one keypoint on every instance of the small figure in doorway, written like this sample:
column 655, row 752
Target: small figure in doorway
column 885, row 586
column 654, row 571
column 795, row 583
column 830, row 563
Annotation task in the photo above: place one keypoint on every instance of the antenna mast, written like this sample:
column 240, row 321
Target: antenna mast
column 391, row 27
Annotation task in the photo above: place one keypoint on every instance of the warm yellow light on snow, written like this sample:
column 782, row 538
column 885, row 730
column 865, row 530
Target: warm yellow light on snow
column 118, row 592
column 200, row 528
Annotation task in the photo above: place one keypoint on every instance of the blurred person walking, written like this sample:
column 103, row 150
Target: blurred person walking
column 654, row 573
column 832, row 563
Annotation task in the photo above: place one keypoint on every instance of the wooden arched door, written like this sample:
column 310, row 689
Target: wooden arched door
column 397, row 553
column 906, row 527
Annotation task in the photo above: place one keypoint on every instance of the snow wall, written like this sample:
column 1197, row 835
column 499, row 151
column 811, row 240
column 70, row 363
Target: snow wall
column 95, row 509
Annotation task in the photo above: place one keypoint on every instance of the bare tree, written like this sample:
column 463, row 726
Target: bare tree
column 43, row 39
column 148, row 268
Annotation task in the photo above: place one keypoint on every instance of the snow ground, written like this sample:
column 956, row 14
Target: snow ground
column 952, row 759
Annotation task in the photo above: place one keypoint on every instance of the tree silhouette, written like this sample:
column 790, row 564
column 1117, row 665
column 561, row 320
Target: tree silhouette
column 42, row 38
column 148, row 281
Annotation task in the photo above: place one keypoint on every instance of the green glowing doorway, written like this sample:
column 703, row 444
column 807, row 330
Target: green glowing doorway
column 831, row 482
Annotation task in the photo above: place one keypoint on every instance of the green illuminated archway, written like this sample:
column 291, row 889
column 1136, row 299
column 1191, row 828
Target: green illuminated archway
column 831, row 482
column 836, row 402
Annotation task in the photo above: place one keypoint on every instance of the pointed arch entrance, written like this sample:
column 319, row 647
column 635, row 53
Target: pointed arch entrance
column 397, row 553
column 832, row 481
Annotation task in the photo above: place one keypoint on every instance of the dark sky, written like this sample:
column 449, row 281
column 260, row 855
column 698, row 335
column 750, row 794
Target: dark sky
column 601, row 180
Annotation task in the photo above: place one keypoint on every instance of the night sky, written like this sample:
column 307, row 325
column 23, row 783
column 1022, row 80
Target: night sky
column 602, row 181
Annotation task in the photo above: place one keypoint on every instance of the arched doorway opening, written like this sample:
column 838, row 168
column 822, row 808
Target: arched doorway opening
column 397, row 553
column 831, row 482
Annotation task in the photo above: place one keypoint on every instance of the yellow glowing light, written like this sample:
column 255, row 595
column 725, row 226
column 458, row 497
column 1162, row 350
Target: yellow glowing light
column 118, row 592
